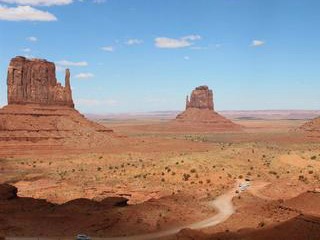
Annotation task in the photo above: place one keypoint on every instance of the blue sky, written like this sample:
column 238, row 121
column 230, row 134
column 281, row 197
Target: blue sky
column 147, row 55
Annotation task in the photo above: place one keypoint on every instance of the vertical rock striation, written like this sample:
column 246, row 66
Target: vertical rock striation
column 201, row 97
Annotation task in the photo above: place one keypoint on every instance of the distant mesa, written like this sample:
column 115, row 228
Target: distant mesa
column 200, row 114
column 40, row 108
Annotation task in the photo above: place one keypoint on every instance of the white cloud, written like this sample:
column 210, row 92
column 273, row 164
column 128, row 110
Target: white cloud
column 133, row 41
column 38, row 2
column 28, row 56
column 108, row 48
column 96, row 102
column 257, row 43
column 66, row 63
column 99, row 1
column 32, row 39
column 24, row 13
column 26, row 50
column 186, row 41
column 84, row 75
column 192, row 37
column 60, row 68
column 198, row 48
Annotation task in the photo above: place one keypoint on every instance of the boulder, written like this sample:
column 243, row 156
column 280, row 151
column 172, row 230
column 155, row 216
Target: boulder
column 8, row 192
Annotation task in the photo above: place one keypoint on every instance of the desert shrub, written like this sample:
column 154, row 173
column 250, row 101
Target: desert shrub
column 303, row 179
column 186, row 176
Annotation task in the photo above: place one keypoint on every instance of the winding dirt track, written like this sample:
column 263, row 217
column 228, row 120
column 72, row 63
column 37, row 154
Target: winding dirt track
column 223, row 205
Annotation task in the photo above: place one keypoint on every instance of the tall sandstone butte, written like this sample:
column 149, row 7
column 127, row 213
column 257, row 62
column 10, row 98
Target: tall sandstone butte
column 40, row 108
column 33, row 81
column 199, row 114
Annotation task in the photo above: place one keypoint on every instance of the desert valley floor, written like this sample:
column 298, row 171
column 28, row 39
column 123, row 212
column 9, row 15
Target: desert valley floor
column 150, row 179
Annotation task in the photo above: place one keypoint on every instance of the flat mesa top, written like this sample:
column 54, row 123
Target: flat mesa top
column 204, row 87
column 31, row 59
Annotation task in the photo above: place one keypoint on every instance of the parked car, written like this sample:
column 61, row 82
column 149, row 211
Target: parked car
column 82, row 237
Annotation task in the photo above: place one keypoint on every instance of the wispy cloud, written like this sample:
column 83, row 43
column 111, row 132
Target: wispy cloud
column 186, row 41
column 198, row 48
column 108, row 48
column 60, row 68
column 67, row 63
column 257, row 43
column 28, row 56
column 84, row 75
column 38, row 2
column 186, row 58
column 133, row 41
column 32, row 39
column 26, row 50
column 99, row 1
column 25, row 13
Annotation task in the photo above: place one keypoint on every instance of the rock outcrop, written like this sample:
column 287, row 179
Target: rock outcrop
column 40, row 108
column 34, row 82
column 7, row 192
column 311, row 128
column 200, row 115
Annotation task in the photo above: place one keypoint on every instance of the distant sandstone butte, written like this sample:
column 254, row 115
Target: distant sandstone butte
column 201, row 97
column 33, row 81
column 40, row 108
column 200, row 115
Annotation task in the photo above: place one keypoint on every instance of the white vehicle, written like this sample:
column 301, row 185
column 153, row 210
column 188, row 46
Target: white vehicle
column 244, row 186
column 82, row 237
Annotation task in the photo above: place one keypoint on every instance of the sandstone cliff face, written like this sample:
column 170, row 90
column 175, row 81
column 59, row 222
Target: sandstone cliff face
column 33, row 81
column 201, row 97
